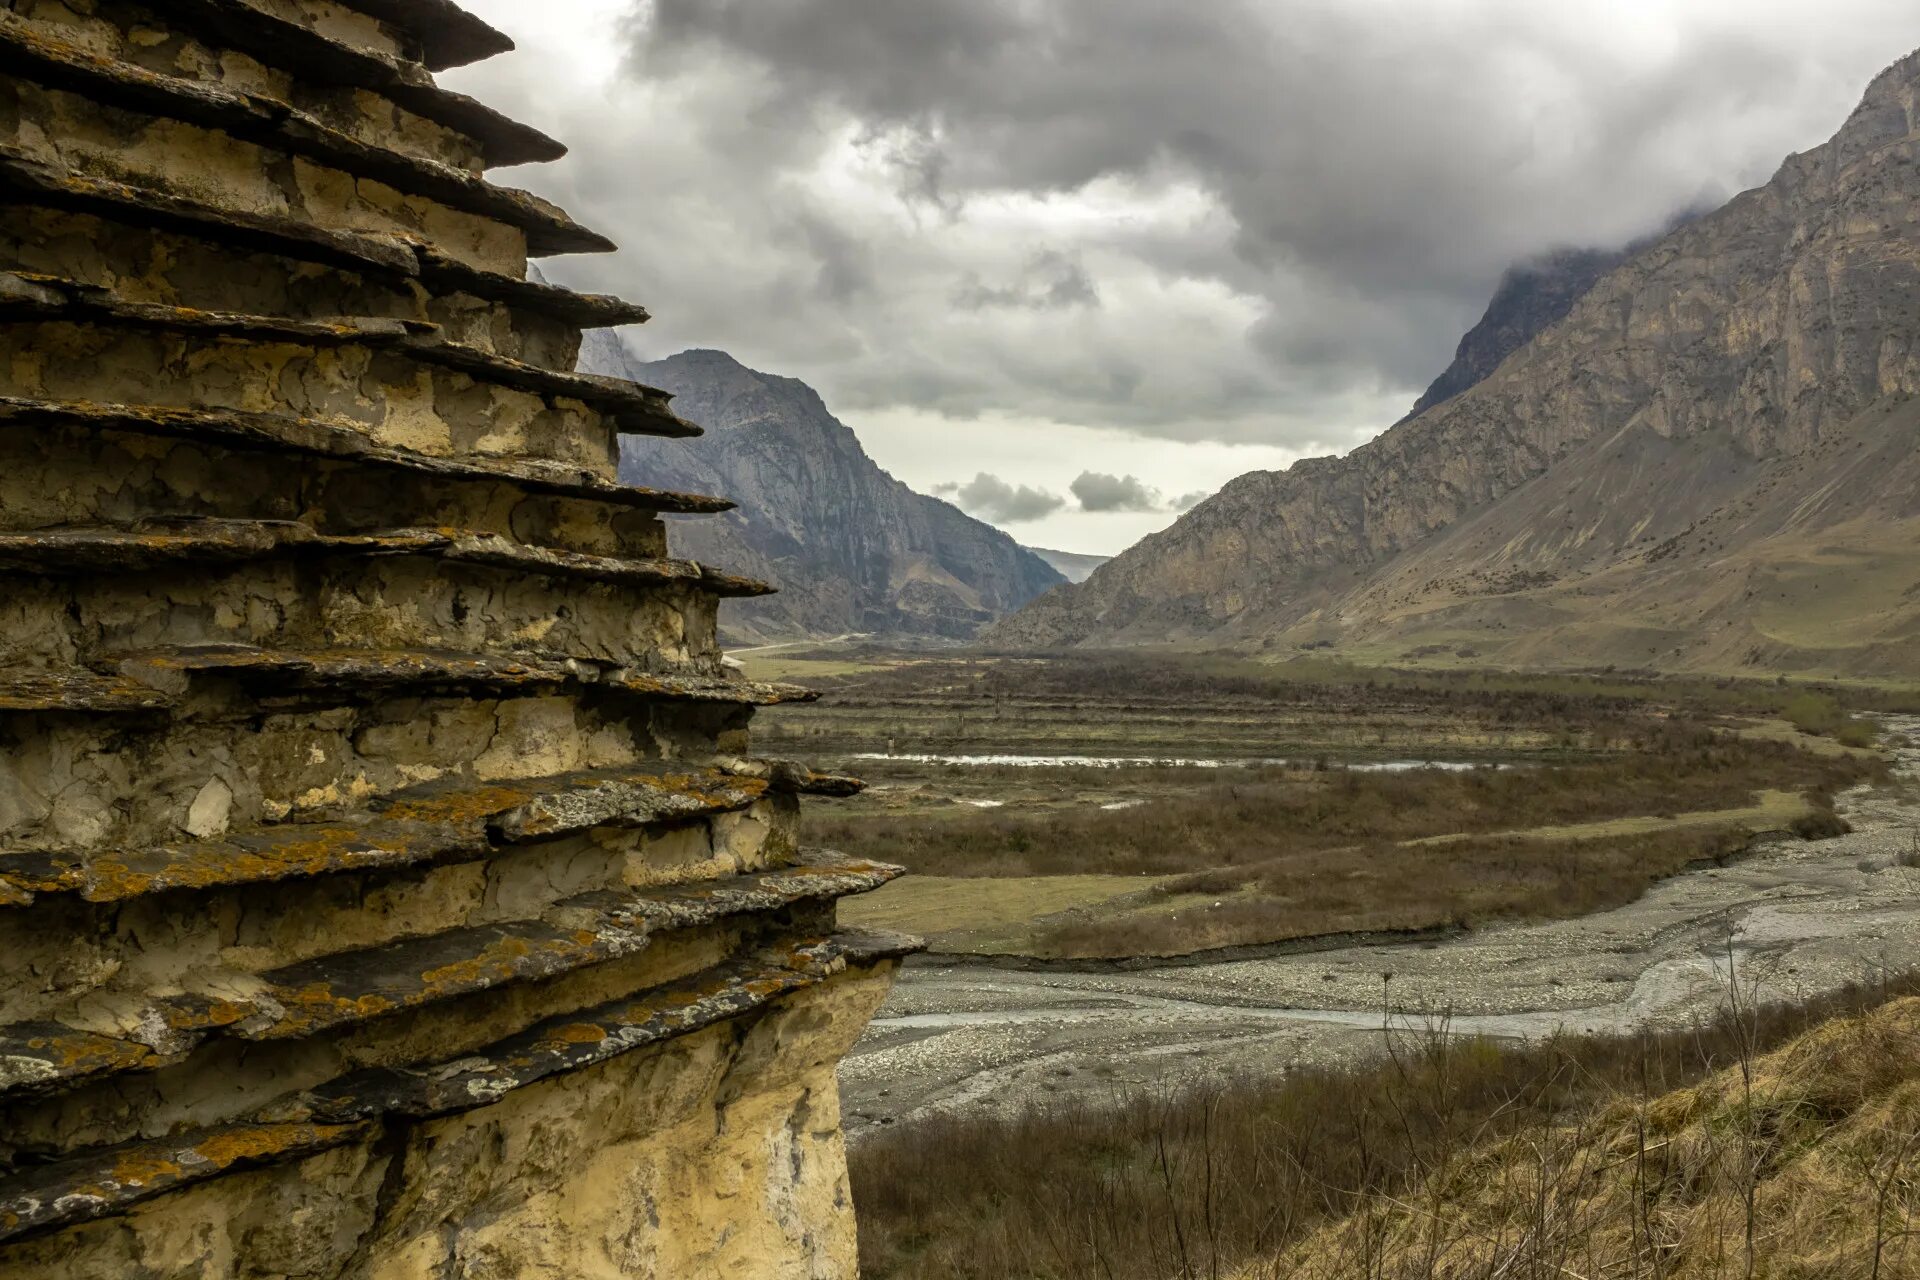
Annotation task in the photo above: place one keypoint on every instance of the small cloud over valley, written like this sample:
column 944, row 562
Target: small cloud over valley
column 995, row 500
column 1098, row 492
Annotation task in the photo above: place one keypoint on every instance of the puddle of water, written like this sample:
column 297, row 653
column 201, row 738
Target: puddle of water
column 985, row 804
column 1118, row 805
column 1182, row 762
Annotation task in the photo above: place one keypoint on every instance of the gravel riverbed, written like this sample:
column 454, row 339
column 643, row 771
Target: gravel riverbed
column 1795, row 918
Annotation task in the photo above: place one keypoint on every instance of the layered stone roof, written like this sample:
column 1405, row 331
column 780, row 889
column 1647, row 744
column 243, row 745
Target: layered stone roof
column 367, row 762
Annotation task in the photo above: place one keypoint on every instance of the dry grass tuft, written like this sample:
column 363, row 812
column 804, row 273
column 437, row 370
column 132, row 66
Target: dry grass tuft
column 1796, row 1163
column 1772, row 1143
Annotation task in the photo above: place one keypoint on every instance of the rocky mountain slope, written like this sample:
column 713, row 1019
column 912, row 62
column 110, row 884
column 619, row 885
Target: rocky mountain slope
column 1531, row 297
column 852, row 549
column 1708, row 463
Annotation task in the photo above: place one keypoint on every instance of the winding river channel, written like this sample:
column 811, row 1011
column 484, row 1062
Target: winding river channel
column 1792, row 920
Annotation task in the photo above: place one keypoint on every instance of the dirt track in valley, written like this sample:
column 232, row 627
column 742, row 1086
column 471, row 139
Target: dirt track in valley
column 1795, row 919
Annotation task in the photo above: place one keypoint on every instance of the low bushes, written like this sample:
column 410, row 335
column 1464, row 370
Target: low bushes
column 1157, row 1187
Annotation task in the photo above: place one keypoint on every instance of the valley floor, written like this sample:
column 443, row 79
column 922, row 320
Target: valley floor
column 1797, row 919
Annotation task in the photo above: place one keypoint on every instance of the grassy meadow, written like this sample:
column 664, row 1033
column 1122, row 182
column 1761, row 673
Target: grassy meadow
column 1584, row 791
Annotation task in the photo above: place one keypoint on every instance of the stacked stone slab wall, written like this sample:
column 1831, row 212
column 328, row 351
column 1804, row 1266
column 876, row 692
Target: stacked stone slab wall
column 388, row 887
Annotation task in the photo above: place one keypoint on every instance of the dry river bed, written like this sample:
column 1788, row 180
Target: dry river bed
column 1794, row 920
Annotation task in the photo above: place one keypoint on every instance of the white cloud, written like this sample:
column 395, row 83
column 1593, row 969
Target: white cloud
column 994, row 500
column 1222, row 233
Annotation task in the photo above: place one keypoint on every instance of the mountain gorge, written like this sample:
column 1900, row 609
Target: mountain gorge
column 1708, row 462
column 1072, row 565
column 852, row 549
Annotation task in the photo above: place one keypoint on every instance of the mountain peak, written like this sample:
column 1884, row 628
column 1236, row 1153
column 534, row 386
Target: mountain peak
column 852, row 549
column 705, row 357
column 1665, row 473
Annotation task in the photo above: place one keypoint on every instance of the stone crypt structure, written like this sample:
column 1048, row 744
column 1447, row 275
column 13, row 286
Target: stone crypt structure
column 388, row 890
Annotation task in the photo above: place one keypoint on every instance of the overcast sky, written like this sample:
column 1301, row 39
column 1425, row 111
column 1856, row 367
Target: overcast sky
column 1072, row 263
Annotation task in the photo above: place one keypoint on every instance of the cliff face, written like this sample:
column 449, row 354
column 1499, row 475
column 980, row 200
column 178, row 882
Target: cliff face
column 1530, row 297
column 1723, row 378
column 851, row 548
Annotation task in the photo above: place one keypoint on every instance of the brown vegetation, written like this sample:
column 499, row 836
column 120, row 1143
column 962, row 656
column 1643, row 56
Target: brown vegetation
column 1663, row 1155
column 1385, row 886
column 1254, row 816
column 1308, row 681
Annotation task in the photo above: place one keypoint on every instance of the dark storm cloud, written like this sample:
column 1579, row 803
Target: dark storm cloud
column 993, row 499
column 1207, row 220
column 1051, row 281
column 1411, row 153
column 1097, row 492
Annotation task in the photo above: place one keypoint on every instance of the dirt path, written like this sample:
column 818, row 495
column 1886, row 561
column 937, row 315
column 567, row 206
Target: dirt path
column 1799, row 918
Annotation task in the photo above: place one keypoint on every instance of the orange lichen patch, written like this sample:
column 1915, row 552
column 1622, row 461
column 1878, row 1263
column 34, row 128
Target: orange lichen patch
column 187, row 1014
column 341, row 440
column 358, row 986
column 732, row 989
column 35, row 1055
column 314, row 1007
column 104, row 549
column 462, row 806
column 273, row 853
column 111, row 1182
column 82, row 691
column 22, row 875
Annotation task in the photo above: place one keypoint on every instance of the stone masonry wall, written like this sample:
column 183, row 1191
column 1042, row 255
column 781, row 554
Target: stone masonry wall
column 388, row 887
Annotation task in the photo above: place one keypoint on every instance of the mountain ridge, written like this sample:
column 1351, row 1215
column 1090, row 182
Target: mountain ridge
column 852, row 548
column 1756, row 335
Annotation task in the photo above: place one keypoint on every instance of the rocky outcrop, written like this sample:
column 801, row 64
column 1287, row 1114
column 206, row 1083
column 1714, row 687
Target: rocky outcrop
column 852, row 549
column 1695, row 420
column 388, row 887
